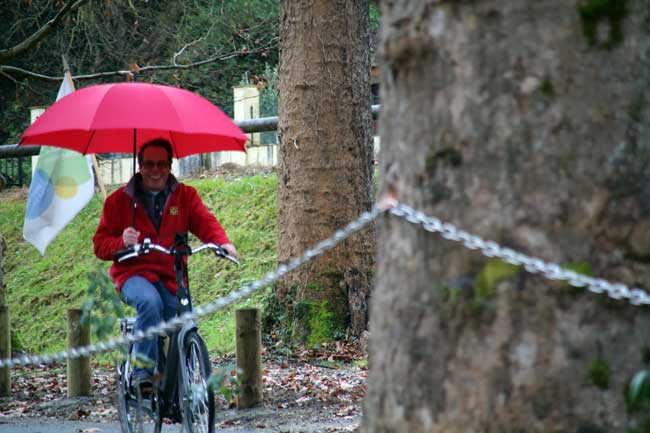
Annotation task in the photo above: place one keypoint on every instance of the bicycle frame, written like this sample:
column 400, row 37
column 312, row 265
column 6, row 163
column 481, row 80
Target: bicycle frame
column 169, row 363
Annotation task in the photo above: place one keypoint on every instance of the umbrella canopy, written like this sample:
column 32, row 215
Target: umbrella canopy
column 120, row 117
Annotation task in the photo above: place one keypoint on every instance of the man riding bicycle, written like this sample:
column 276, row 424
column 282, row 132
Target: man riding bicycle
column 164, row 207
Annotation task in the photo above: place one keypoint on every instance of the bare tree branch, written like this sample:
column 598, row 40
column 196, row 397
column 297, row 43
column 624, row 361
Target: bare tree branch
column 39, row 34
column 7, row 70
column 180, row 52
column 9, row 76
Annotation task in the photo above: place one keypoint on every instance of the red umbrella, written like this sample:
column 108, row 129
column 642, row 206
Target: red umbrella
column 119, row 118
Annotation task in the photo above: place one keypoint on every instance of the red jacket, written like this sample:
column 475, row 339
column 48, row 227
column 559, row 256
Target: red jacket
column 184, row 211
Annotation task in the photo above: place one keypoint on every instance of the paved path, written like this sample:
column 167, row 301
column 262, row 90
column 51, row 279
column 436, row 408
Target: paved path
column 31, row 425
column 290, row 424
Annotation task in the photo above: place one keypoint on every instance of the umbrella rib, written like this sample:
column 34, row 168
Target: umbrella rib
column 92, row 135
column 172, row 142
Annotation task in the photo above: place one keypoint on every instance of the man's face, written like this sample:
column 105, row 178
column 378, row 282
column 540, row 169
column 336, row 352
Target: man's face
column 154, row 168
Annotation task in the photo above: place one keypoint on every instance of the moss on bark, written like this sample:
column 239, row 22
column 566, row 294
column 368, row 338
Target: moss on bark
column 494, row 271
column 323, row 324
column 599, row 373
column 597, row 13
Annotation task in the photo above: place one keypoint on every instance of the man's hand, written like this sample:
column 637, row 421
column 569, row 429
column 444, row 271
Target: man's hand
column 130, row 236
column 230, row 249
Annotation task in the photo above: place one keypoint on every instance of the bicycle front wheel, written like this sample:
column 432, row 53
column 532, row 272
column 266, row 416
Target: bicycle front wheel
column 196, row 398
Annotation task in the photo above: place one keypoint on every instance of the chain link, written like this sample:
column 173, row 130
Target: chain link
column 551, row 271
column 534, row 265
column 243, row 292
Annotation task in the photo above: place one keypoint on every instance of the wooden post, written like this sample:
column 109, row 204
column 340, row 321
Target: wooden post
column 98, row 176
column 5, row 351
column 79, row 368
column 249, row 358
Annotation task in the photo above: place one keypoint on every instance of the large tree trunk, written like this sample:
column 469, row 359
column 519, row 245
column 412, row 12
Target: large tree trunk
column 524, row 122
column 3, row 290
column 325, row 160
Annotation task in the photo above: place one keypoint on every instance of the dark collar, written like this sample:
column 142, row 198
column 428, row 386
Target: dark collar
column 135, row 184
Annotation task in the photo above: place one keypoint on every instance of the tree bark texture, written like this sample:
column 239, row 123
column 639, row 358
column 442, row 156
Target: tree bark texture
column 325, row 160
column 525, row 123
column 3, row 290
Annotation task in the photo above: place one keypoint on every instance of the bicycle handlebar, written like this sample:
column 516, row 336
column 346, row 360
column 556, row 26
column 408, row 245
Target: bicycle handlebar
column 146, row 246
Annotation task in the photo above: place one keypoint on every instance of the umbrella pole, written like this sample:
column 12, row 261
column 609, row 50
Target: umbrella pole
column 133, row 215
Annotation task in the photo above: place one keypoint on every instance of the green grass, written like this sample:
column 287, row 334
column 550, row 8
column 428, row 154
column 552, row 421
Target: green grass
column 41, row 289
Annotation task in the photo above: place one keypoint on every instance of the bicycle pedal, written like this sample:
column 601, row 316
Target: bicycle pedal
column 146, row 390
column 142, row 389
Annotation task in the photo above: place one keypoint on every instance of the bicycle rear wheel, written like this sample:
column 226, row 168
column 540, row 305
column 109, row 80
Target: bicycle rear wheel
column 136, row 413
column 196, row 399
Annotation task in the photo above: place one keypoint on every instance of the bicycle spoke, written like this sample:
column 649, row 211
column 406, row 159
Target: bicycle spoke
column 198, row 407
column 137, row 413
column 198, row 391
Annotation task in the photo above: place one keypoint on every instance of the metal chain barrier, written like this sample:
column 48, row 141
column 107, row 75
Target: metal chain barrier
column 448, row 231
column 533, row 265
column 243, row 292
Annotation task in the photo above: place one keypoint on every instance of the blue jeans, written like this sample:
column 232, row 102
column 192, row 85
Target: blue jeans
column 153, row 303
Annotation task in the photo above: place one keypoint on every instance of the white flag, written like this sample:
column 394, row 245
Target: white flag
column 62, row 185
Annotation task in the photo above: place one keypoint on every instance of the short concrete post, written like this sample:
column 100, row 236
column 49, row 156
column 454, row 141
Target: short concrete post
column 79, row 373
column 249, row 357
column 5, row 351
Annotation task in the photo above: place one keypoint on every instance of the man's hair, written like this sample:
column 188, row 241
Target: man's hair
column 157, row 142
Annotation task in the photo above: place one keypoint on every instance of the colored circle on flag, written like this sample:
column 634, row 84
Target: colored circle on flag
column 65, row 187
column 62, row 164
column 59, row 174
column 43, row 191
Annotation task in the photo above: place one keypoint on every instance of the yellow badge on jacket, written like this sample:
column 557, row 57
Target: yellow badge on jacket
column 173, row 211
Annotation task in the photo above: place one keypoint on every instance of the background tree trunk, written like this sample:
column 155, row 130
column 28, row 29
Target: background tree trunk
column 3, row 290
column 525, row 123
column 325, row 161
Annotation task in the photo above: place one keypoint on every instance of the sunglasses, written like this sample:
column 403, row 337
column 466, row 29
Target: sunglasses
column 161, row 165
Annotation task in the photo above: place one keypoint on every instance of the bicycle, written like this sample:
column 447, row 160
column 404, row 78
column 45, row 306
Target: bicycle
column 180, row 393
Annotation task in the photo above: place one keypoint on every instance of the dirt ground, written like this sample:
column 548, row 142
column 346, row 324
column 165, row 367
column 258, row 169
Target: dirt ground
column 316, row 392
